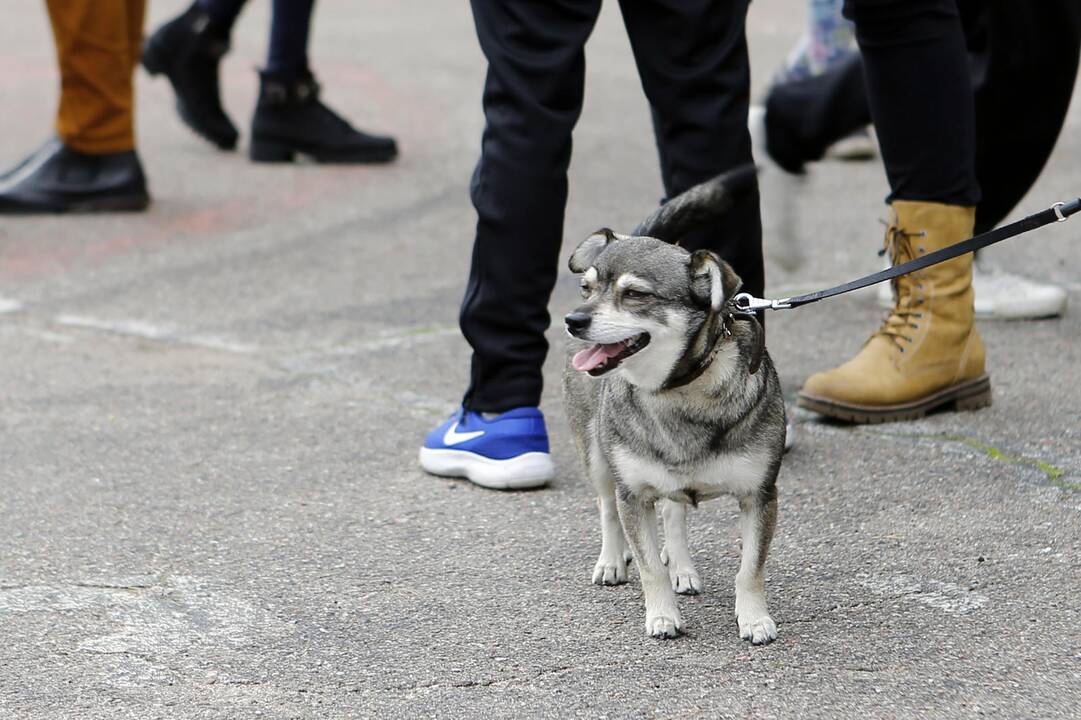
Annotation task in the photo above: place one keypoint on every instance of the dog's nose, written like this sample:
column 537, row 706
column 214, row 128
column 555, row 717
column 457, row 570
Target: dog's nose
column 577, row 321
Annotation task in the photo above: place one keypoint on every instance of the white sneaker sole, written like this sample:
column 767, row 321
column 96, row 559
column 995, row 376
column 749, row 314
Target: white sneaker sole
column 1050, row 302
column 529, row 470
column 789, row 434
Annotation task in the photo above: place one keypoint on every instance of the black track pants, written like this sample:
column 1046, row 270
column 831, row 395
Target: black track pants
column 692, row 59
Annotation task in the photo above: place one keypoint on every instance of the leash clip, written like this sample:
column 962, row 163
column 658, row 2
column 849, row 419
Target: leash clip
column 1057, row 207
column 746, row 303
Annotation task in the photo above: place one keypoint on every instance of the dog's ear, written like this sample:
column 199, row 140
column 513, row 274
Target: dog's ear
column 584, row 255
column 730, row 282
column 712, row 280
column 758, row 344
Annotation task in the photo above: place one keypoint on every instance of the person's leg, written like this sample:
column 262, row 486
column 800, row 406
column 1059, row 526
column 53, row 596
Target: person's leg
column 222, row 12
column 828, row 40
column 803, row 118
column 832, row 37
column 1025, row 60
column 93, row 165
column 188, row 50
column 93, row 46
column 136, row 16
column 532, row 100
column 920, row 95
column 287, row 51
column 290, row 119
column 692, row 58
column 927, row 353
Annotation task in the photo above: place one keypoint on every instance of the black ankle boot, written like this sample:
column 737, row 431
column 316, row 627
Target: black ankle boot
column 58, row 179
column 289, row 120
column 188, row 51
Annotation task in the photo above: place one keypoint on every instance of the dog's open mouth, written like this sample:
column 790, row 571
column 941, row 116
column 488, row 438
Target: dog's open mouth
column 604, row 357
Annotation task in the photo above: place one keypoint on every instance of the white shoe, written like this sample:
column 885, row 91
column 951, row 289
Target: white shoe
column 780, row 192
column 1004, row 296
column 789, row 434
column 860, row 145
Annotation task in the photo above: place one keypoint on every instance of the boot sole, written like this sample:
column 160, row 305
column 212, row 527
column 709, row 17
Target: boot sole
column 272, row 151
column 969, row 395
column 222, row 142
column 127, row 203
column 525, row 472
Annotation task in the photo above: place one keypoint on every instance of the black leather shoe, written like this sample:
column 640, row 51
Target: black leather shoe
column 59, row 179
column 188, row 50
column 290, row 120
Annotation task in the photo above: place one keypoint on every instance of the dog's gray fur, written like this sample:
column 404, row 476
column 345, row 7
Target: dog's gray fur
column 642, row 439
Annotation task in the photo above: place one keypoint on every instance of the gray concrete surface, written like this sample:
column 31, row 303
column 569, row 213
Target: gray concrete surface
column 209, row 503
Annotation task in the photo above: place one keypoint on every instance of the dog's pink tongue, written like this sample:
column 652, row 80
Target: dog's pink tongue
column 595, row 355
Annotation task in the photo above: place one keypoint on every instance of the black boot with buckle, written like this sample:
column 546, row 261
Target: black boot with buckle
column 188, row 50
column 290, row 120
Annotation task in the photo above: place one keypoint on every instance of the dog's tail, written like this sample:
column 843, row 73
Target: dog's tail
column 702, row 203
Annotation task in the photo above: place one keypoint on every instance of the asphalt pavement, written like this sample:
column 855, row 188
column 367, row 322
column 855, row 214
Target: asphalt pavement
column 209, row 415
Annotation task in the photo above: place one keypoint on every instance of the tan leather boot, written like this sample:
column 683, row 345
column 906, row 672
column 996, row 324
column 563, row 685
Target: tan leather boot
column 927, row 353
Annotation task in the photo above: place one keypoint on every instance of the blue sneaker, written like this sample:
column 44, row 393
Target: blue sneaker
column 508, row 452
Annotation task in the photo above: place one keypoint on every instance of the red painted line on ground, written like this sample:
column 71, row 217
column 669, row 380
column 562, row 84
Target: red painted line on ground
column 24, row 256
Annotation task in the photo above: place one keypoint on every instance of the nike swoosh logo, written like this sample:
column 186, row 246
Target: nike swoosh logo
column 453, row 437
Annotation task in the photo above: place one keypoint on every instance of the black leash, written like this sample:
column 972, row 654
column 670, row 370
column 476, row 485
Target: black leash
column 1059, row 212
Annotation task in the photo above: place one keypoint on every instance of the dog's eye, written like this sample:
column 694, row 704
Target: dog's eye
column 587, row 289
column 632, row 294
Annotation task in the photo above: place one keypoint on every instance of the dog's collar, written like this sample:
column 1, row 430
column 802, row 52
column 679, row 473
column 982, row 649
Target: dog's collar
column 701, row 350
column 711, row 336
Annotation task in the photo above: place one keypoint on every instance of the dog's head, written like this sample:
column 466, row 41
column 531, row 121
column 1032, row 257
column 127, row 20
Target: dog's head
column 644, row 301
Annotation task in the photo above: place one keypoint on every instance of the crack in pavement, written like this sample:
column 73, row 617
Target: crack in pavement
column 494, row 682
column 1058, row 476
column 1053, row 473
column 813, row 618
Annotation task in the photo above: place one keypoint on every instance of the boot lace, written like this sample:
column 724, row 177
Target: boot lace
column 907, row 306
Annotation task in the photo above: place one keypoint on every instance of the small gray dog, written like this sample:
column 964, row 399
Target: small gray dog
column 673, row 397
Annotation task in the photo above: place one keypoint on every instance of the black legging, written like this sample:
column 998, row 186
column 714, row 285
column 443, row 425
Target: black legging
column 1023, row 59
column 287, row 50
column 920, row 95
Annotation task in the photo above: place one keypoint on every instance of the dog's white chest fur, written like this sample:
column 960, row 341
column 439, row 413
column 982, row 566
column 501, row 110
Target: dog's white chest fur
column 722, row 474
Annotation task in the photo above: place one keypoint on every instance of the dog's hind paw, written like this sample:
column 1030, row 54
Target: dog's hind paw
column 663, row 627
column 760, row 630
column 685, row 581
column 610, row 571
column 685, row 578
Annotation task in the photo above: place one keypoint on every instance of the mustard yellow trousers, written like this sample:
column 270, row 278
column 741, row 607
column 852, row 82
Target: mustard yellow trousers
column 98, row 43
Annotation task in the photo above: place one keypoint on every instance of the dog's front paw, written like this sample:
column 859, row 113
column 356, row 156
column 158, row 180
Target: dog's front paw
column 759, row 629
column 610, row 570
column 664, row 627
